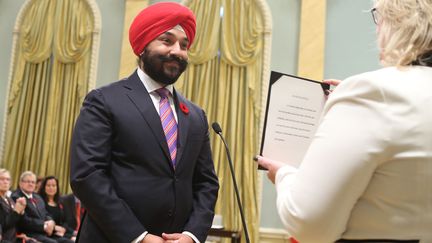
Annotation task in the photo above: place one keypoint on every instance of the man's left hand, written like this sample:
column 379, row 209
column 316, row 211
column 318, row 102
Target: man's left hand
column 177, row 238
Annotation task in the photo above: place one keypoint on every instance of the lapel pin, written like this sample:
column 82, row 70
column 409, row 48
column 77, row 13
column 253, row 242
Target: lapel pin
column 184, row 108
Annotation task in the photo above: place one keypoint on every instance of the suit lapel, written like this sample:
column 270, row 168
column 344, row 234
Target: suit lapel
column 32, row 206
column 138, row 94
column 7, row 207
column 183, row 126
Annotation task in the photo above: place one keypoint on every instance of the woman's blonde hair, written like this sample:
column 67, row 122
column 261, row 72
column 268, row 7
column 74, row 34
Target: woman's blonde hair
column 405, row 35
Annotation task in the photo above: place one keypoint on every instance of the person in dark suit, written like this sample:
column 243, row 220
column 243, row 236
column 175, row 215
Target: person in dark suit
column 73, row 210
column 10, row 212
column 36, row 222
column 140, row 154
column 50, row 192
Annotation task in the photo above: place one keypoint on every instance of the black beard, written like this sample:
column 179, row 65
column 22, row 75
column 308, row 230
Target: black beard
column 153, row 67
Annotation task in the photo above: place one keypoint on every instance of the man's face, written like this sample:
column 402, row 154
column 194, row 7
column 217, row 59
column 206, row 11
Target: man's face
column 5, row 182
column 165, row 58
column 28, row 184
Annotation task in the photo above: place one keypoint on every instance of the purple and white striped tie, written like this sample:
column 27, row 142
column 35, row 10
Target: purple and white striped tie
column 169, row 123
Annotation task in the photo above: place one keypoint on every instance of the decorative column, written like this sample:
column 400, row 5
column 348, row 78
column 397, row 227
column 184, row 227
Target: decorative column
column 312, row 39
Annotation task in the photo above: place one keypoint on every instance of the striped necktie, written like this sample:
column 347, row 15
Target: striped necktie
column 169, row 123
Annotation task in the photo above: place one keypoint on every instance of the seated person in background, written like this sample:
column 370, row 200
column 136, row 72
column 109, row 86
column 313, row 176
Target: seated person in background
column 10, row 213
column 73, row 211
column 50, row 193
column 36, row 221
column 38, row 183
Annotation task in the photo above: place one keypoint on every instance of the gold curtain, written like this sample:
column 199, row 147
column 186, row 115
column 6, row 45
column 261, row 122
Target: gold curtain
column 225, row 78
column 50, row 77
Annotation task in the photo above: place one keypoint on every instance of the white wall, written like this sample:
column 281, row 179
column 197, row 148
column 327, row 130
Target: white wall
column 350, row 39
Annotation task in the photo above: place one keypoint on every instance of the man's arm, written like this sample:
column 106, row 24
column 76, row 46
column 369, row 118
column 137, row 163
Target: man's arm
column 27, row 223
column 90, row 172
column 8, row 220
column 205, row 190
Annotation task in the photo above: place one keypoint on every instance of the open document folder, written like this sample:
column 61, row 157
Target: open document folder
column 294, row 107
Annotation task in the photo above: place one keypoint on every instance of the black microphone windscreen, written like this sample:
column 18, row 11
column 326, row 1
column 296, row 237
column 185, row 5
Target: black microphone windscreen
column 216, row 127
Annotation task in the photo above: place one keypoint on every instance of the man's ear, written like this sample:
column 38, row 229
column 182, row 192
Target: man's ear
column 138, row 60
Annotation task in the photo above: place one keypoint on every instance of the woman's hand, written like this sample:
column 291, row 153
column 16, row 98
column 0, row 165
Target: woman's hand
column 332, row 82
column 272, row 166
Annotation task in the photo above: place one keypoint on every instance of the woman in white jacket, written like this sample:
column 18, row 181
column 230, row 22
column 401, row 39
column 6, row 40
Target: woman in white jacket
column 367, row 175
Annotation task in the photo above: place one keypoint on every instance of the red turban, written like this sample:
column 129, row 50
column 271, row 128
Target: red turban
column 156, row 20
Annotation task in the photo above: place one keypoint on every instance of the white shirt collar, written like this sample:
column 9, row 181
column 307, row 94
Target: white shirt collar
column 29, row 196
column 150, row 84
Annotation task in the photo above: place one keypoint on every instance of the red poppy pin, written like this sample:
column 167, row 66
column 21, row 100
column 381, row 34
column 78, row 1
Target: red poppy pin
column 184, row 108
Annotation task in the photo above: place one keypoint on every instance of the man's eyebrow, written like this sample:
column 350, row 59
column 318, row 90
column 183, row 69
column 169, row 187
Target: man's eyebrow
column 173, row 35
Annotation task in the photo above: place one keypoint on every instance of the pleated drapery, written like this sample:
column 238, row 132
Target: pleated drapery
column 53, row 67
column 228, row 77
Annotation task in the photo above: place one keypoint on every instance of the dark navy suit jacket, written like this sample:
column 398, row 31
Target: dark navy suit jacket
column 35, row 215
column 122, row 172
column 8, row 220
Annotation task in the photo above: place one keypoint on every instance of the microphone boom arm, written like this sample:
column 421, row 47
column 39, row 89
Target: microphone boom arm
column 218, row 131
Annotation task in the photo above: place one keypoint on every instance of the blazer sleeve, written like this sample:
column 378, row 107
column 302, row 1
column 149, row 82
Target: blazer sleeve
column 68, row 211
column 8, row 219
column 31, row 224
column 90, row 163
column 63, row 222
column 27, row 221
column 205, row 190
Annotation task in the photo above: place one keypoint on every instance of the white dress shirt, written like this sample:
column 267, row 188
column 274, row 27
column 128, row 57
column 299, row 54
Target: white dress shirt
column 368, row 171
column 151, row 87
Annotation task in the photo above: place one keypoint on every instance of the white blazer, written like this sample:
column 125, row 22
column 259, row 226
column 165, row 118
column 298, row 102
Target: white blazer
column 368, row 171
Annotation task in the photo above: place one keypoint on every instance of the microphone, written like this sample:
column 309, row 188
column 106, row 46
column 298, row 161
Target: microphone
column 217, row 128
column 218, row 131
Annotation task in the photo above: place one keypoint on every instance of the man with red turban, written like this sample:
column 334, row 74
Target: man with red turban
column 140, row 155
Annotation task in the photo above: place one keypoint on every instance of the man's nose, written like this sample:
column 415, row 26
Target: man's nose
column 178, row 51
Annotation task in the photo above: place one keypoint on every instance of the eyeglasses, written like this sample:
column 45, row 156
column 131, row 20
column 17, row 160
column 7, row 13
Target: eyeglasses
column 29, row 181
column 375, row 15
column 5, row 179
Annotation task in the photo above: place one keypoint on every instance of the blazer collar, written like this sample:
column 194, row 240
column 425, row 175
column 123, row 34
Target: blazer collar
column 150, row 84
column 183, row 127
column 6, row 205
column 139, row 95
column 30, row 205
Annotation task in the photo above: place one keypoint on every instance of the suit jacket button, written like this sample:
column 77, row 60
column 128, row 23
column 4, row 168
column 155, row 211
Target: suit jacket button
column 170, row 214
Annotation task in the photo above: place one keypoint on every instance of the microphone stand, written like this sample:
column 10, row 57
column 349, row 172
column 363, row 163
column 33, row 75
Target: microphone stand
column 218, row 131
